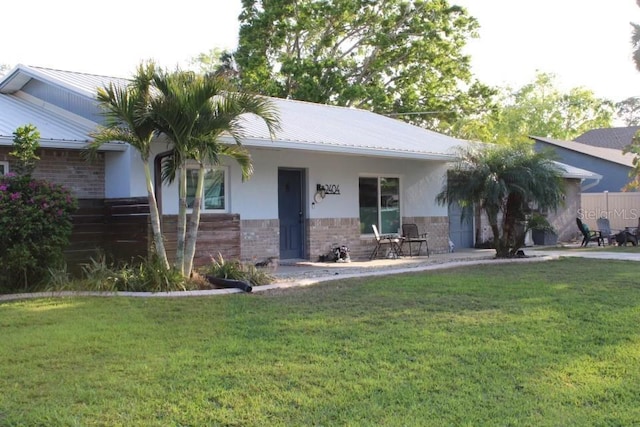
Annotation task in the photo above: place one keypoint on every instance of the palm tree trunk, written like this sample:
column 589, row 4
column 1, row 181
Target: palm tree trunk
column 155, row 218
column 497, row 241
column 182, row 219
column 194, row 224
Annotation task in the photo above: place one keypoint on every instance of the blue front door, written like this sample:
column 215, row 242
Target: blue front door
column 291, row 213
column 460, row 231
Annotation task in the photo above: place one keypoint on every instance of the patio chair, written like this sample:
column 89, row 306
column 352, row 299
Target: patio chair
column 411, row 235
column 604, row 227
column 392, row 240
column 629, row 235
column 589, row 235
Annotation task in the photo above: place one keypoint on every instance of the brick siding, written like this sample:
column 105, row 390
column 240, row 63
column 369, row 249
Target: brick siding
column 437, row 228
column 325, row 234
column 260, row 239
column 68, row 168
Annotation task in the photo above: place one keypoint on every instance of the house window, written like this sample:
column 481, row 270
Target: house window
column 215, row 189
column 4, row 168
column 379, row 204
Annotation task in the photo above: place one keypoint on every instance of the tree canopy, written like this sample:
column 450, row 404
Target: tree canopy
column 628, row 110
column 400, row 57
column 193, row 111
column 538, row 108
column 503, row 181
column 631, row 104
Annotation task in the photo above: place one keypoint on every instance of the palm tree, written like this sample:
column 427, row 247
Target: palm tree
column 502, row 181
column 194, row 111
column 126, row 109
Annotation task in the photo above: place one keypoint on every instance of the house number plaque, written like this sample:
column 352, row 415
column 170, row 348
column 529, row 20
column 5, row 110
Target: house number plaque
column 332, row 189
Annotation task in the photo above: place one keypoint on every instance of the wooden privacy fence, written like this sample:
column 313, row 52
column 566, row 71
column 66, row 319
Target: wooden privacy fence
column 119, row 228
column 622, row 209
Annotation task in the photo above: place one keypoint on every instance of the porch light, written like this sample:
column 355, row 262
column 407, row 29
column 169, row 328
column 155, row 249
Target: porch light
column 321, row 190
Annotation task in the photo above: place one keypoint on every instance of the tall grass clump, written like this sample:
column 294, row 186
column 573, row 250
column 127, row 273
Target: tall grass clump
column 237, row 270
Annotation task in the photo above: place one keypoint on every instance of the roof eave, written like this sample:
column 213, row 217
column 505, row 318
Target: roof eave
column 68, row 144
column 338, row 149
column 581, row 176
column 21, row 74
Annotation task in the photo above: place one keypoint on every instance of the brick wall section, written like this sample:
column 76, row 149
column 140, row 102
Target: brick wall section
column 68, row 168
column 437, row 228
column 324, row 234
column 260, row 239
column 218, row 233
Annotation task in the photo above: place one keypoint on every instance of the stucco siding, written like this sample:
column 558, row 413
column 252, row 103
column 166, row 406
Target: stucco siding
column 257, row 198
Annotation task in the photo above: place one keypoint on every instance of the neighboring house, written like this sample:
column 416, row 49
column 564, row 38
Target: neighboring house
column 616, row 138
column 327, row 177
column 609, row 163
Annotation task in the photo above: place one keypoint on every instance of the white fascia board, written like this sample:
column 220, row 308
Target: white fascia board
column 582, row 176
column 21, row 75
column 68, row 144
column 13, row 80
column 336, row 149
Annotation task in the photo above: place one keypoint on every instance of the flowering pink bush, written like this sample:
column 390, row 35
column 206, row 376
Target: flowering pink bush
column 35, row 225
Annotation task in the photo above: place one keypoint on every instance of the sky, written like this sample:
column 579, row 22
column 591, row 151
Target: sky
column 585, row 43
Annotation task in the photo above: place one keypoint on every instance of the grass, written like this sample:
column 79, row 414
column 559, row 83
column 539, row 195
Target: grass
column 535, row 344
column 592, row 247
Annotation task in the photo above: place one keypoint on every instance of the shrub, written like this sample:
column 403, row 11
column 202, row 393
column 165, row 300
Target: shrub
column 236, row 270
column 149, row 275
column 35, row 225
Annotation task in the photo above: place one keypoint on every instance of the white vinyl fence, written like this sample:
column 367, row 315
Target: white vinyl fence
column 622, row 209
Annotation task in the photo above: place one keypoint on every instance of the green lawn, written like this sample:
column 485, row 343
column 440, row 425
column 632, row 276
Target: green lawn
column 592, row 247
column 536, row 344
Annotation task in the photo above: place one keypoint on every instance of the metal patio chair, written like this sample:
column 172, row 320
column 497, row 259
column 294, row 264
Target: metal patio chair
column 394, row 242
column 411, row 235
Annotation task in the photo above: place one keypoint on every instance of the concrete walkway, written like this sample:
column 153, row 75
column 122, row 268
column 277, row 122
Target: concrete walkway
column 304, row 273
column 300, row 270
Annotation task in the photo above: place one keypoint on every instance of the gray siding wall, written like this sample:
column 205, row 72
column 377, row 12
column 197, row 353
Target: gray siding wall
column 80, row 105
column 614, row 176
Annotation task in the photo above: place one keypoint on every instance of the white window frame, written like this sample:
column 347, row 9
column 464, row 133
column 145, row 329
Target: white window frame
column 224, row 169
column 379, row 176
column 5, row 168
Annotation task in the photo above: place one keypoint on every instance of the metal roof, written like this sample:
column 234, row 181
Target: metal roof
column 316, row 127
column 81, row 83
column 569, row 171
column 304, row 125
column 609, row 154
column 57, row 128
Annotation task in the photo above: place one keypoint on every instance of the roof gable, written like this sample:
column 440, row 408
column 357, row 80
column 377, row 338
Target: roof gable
column 80, row 83
column 608, row 154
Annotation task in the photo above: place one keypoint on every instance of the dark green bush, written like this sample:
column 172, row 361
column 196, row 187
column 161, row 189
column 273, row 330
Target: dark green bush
column 35, row 225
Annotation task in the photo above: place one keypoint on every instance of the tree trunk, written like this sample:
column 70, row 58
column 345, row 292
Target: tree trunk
column 158, row 240
column 182, row 219
column 511, row 215
column 502, row 251
column 194, row 224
